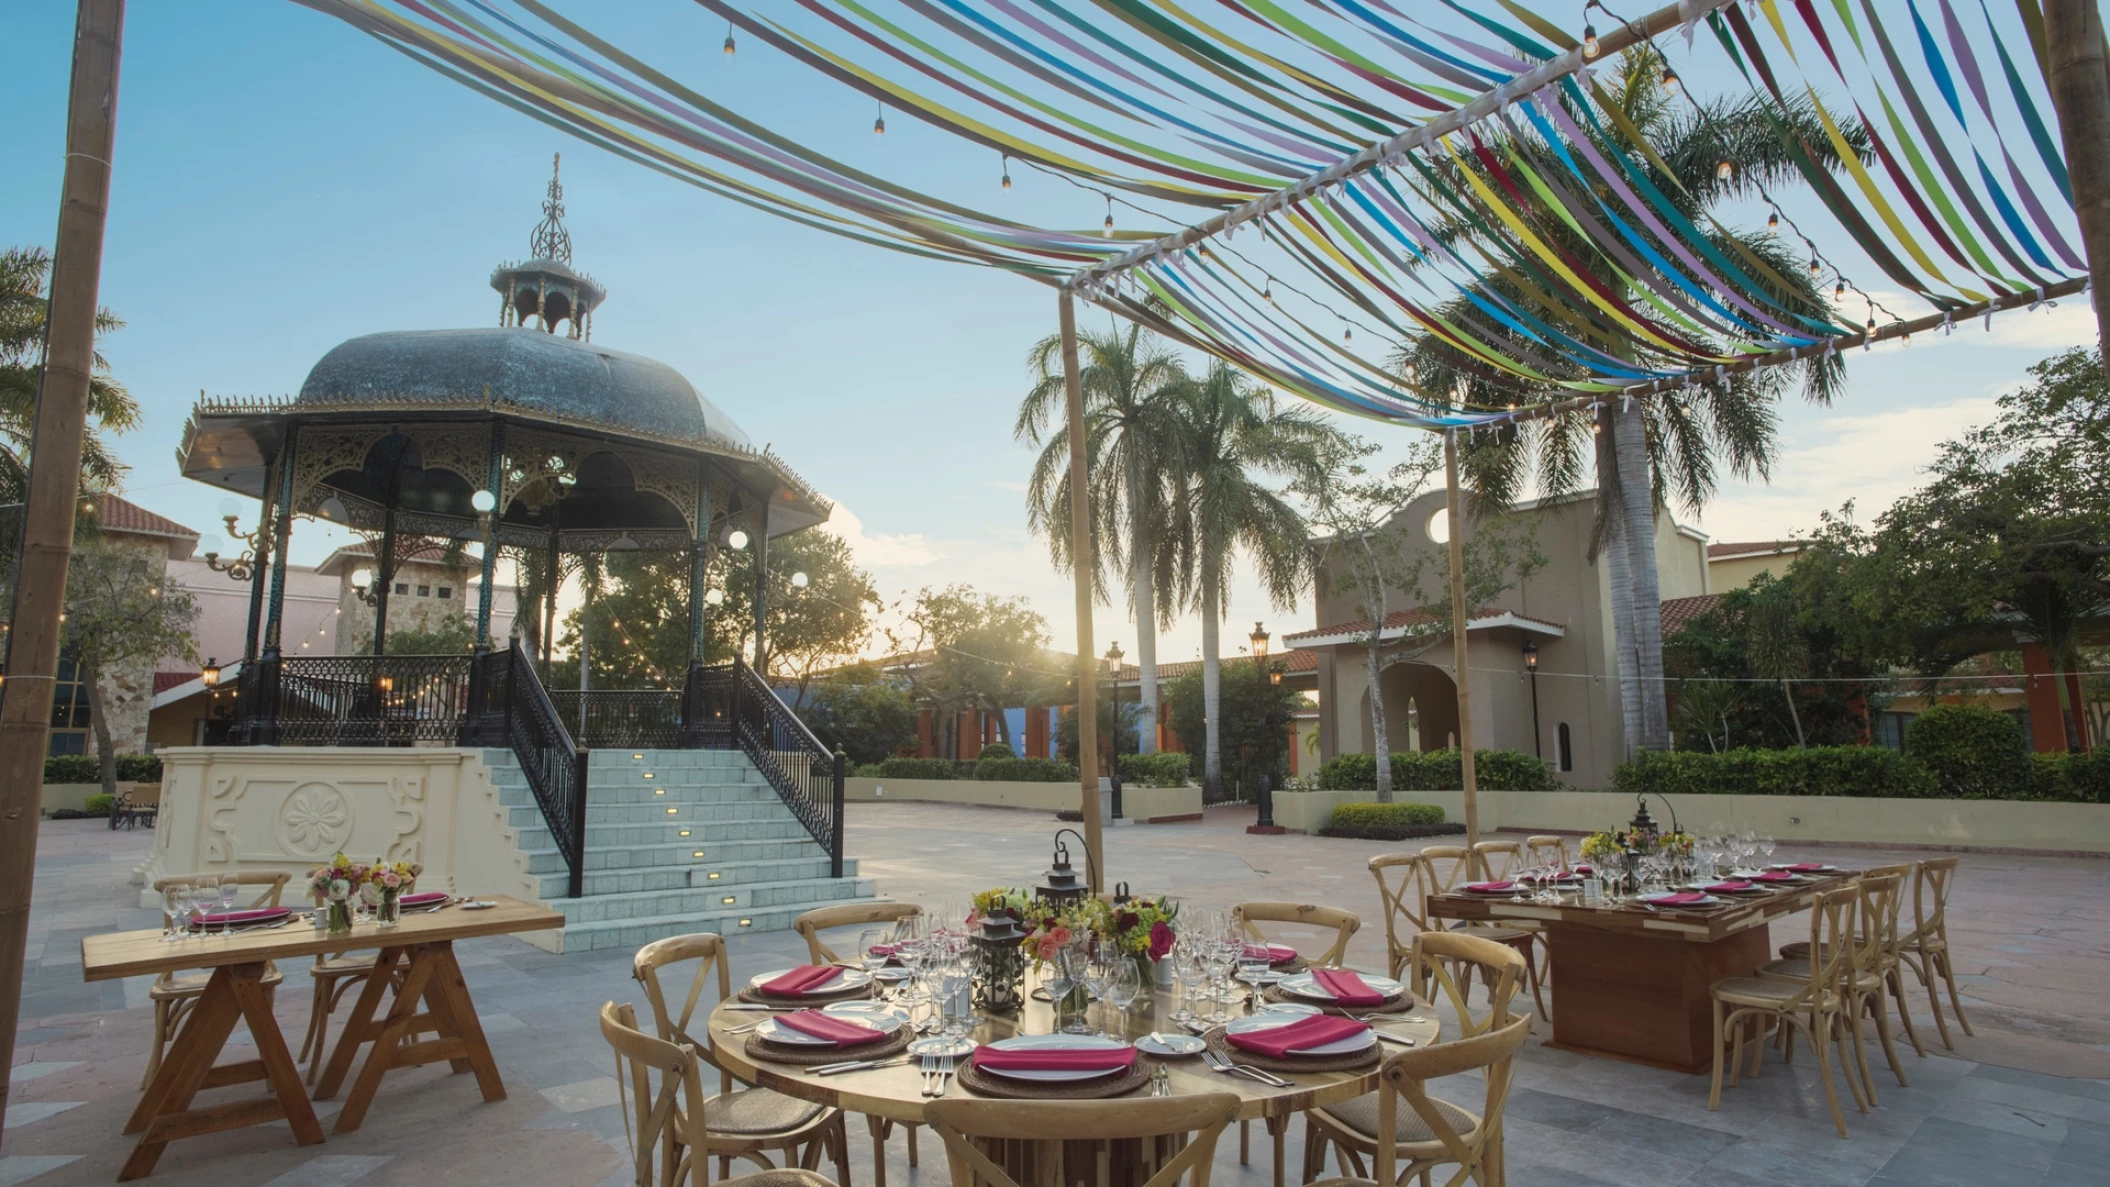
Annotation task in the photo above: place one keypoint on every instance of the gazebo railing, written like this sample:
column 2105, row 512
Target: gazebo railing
column 371, row 700
column 517, row 710
column 807, row 777
column 611, row 719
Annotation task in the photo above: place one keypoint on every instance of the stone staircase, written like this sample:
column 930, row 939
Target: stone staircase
column 677, row 841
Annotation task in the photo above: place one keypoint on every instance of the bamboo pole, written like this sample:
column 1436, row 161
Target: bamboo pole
column 1081, row 569
column 54, row 485
column 2079, row 77
column 1454, row 516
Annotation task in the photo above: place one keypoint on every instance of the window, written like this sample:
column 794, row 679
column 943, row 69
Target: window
column 69, row 710
column 1564, row 747
column 402, row 587
column 1890, row 730
column 424, row 591
column 446, row 592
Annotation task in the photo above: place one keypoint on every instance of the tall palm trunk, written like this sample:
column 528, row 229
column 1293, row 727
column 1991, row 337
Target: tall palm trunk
column 1638, row 517
column 1374, row 596
column 1143, row 594
column 1619, row 586
column 1212, row 684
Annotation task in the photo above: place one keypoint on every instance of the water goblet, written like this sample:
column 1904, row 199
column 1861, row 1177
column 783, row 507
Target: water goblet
column 1122, row 990
column 1188, row 970
column 1765, row 845
column 230, row 886
column 1099, row 973
column 172, row 911
column 1220, row 959
column 201, row 899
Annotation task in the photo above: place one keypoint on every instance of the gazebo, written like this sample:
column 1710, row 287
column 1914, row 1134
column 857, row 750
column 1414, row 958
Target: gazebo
column 526, row 438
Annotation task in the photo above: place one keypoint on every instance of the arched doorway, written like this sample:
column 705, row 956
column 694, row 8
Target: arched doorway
column 1421, row 706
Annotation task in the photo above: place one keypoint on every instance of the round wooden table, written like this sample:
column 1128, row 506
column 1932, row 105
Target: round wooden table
column 895, row 1093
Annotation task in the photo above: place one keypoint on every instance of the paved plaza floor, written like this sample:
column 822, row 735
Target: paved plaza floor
column 2025, row 1102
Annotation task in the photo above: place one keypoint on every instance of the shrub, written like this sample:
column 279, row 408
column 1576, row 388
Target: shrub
column 1865, row 771
column 1164, row 769
column 139, row 768
column 1024, row 770
column 1388, row 822
column 917, row 768
column 1440, row 770
column 71, row 768
column 98, row 805
column 996, row 750
column 2073, row 778
column 1974, row 752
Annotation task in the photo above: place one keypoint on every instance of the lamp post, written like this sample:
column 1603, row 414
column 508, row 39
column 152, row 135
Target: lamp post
column 1113, row 681
column 1531, row 665
column 1263, row 678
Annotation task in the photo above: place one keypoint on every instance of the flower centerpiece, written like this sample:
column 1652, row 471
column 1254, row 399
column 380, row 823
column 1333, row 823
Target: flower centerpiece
column 1141, row 929
column 1052, row 937
column 390, row 879
column 1617, row 853
column 334, row 885
column 995, row 943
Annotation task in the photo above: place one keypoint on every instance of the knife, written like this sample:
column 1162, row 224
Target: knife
column 857, row 1066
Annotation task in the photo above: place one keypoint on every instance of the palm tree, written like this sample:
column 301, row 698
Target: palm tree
column 23, row 271
column 1235, row 435
column 1129, row 381
column 1647, row 452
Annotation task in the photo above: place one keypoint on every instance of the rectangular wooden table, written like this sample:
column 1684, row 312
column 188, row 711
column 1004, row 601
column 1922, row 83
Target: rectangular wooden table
column 416, row 957
column 1635, row 984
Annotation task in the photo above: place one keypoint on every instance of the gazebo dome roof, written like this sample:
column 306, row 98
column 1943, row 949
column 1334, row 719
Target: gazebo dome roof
column 520, row 366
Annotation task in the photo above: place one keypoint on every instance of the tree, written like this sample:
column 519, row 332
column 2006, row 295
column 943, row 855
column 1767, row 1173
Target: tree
column 1255, row 717
column 861, row 714
column 1233, row 437
column 1777, row 648
column 1352, row 510
column 1130, row 383
column 972, row 650
column 1120, row 728
column 1674, row 445
column 452, row 635
column 120, row 612
column 1797, row 633
column 23, row 271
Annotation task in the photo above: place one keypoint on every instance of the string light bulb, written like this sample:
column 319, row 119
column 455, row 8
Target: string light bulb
column 1007, row 172
column 879, row 124
column 1590, row 46
column 1670, row 80
column 728, row 41
column 1773, row 223
column 1347, row 335
column 1106, row 229
column 1839, row 291
column 1724, row 170
column 1815, row 266
column 1267, row 290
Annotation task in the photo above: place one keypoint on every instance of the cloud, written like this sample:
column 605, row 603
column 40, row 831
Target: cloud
column 1002, row 485
column 884, row 549
column 2056, row 325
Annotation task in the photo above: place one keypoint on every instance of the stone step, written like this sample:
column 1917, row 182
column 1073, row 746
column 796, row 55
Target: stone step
column 705, row 874
column 545, row 859
column 755, row 896
column 631, row 934
column 528, row 814
column 632, row 836
column 519, row 792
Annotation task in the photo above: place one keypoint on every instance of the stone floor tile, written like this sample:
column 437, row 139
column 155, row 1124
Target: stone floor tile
column 1560, row 1112
column 29, row 1112
column 331, row 1170
column 22, row 1168
column 1976, row 1141
column 36, row 1069
column 583, row 1095
column 1802, row 1164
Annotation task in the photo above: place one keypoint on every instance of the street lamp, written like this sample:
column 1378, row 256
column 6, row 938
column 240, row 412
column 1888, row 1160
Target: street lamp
column 1266, row 823
column 1113, row 680
column 209, row 675
column 1531, row 665
column 363, row 585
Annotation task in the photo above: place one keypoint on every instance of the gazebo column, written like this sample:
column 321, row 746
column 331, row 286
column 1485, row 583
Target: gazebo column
column 257, row 579
column 693, row 710
column 762, row 593
column 483, row 725
column 384, row 578
column 552, row 559
column 259, row 711
column 493, row 482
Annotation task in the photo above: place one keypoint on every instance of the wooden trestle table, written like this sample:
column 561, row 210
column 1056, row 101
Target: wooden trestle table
column 1635, row 984
column 416, row 958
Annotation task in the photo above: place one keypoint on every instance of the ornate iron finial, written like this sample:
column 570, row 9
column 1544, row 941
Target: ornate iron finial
column 550, row 240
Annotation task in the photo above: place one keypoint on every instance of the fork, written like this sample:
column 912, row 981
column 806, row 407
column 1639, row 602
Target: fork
column 946, row 1064
column 930, row 1065
column 1222, row 1063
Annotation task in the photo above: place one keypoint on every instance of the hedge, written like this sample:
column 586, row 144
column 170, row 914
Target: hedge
column 98, row 805
column 1865, row 771
column 83, row 768
column 1388, row 822
column 1440, row 770
column 1024, row 770
column 1974, row 752
column 921, row 768
column 996, row 750
column 2072, row 778
column 1164, row 769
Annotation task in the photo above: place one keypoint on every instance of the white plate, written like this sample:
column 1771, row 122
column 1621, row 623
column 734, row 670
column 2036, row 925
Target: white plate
column 1789, row 866
column 842, row 981
column 1288, row 1009
column 1305, row 985
column 869, row 1012
column 1706, row 900
column 1055, row 1043
column 776, row 1032
column 1170, row 1044
column 1259, row 1022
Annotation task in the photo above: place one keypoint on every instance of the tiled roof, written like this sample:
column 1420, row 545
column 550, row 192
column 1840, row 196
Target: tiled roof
column 119, row 514
column 163, row 681
column 1676, row 612
column 1298, row 660
column 1716, row 552
column 1405, row 618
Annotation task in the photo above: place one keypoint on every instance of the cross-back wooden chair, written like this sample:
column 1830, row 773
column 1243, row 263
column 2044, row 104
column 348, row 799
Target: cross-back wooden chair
column 668, row 1124
column 811, row 925
column 1816, row 1007
column 1429, row 1131
column 1499, row 859
column 1177, row 1134
column 176, row 994
column 1452, row 866
column 332, row 975
column 814, row 922
column 1247, row 917
column 1863, row 982
column 1926, row 950
column 747, row 1123
column 1547, row 850
column 1439, row 964
column 1404, row 881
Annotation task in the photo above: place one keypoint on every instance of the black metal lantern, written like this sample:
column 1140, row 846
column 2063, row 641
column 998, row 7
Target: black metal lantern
column 1643, row 825
column 1063, row 884
column 997, row 957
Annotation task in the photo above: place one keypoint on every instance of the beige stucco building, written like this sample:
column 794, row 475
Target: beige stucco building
column 1564, row 610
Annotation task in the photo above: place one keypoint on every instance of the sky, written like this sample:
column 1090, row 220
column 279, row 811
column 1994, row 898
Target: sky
column 282, row 183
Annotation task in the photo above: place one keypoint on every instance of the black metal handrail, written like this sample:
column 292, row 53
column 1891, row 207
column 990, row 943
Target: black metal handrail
column 554, row 765
column 370, row 700
column 804, row 773
column 614, row 718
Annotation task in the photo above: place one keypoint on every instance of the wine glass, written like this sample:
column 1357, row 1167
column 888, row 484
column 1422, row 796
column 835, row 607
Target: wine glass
column 1099, row 973
column 1190, row 970
column 201, row 899
column 1220, row 957
column 172, row 912
column 1765, row 845
column 230, row 886
column 1122, row 989
column 1070, row 963
column 873, row 950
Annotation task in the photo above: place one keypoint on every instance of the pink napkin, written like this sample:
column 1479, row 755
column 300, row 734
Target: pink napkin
column 1731, row 886
column 1773, row 876
column 1491, row 887
column 801, row 980
column 1805, row 867
column 1347, row 988
column 1275, row 953
column 1112, row 1059
column 1585, row 871
column 883, row 949
column 835, row 1030
column 249, row 916
column 1301, row 1035
column 1682, row 898
column 422, row 900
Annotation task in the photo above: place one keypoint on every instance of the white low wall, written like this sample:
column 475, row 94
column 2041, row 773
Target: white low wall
column 291, row 808
column 1142, row 804
column 1985, row 824
column 75, row 795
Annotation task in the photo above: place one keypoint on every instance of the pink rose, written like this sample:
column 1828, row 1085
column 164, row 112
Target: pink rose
column 1047, row 947
column 1060, row 936
column 390, row 880
column 1161, row 940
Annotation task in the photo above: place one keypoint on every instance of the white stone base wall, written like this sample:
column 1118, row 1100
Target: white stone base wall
column 231, row 808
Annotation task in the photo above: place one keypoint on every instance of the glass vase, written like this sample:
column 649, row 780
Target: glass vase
column 386, row 913
column 340, row 913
